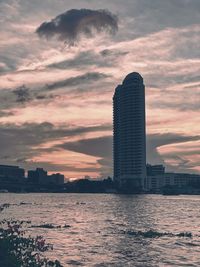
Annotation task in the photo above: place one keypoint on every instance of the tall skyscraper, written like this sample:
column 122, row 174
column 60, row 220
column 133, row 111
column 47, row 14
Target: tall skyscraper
column 129, row 144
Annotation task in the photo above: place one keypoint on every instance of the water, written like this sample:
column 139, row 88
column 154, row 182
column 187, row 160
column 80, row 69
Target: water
column 104, row 227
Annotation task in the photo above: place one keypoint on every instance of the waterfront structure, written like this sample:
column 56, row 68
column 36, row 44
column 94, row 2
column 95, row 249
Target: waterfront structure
column 11, row 173
column 129, row 144
column 182, row 182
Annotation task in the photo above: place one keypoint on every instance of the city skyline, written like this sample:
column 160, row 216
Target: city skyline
column 57, row 85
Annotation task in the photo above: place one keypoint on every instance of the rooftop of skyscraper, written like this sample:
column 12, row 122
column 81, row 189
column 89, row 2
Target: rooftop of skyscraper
column 132, row 77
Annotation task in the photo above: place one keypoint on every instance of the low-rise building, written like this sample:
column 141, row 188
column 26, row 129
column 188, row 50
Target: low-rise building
column 181, row 181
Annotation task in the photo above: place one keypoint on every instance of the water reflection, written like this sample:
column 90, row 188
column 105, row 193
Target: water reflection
column 131, row 214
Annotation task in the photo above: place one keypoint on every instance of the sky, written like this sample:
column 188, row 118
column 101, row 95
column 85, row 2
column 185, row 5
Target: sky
column 60, row 61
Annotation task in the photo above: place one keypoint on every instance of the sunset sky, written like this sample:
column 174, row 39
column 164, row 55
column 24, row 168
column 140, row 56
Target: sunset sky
column 59, row 68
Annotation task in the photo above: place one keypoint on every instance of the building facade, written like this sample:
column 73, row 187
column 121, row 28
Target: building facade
column 129, row 137
column 182, row 182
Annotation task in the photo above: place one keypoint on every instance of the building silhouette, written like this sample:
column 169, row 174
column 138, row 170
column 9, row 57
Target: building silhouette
column 41, row 177
column 37, row 176
column 129, row 144
column 12, row 173
column 155, row 169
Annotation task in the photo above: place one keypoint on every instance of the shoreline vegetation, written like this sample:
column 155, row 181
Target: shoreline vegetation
column 17, row 249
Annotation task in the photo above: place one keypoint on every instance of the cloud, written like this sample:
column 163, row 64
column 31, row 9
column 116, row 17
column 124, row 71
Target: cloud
column 101, row 147
column 169, row 29
column 152, row 16
column 78, row 80
column 179, row 97
column 22, row 94
column 155, row 151
column 45, row 132
column 40, row 95
column 113, row 53
column 171, row 138
column 20, row 97
column 66, row 168
column 183, row 156
column 4, row 113
column 70, row 25
column 20, row 143
column 106, row 58
column 184, row 104
column 3, row 66
column 98, row 147
column 15, row 149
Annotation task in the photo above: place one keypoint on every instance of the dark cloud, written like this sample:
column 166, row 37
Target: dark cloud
column 70, row 25
column 20, row 97
column 22, row 94
column 113, row 53
column 98, row 147
column 45, row 96
column 45, row 132
column 102, row 146
column 78, row 80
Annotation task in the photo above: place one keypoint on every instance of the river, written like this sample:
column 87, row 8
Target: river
column 113, row 230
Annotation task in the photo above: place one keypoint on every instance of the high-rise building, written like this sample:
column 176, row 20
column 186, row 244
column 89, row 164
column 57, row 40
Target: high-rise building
column 37, row 176
column 8, row 172
column 129, row 144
